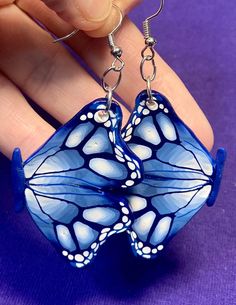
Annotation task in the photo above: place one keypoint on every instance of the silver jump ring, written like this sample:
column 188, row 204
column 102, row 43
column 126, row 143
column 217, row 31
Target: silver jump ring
column 154, row 72
column 149, row 89
column 148, row 53
column 105, row 86
column 109, row 97
column 152, row 55
column 120, row 66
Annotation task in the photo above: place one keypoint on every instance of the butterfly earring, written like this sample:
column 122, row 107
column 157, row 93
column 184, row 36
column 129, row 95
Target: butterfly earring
column 180, row 175
column 71, row 185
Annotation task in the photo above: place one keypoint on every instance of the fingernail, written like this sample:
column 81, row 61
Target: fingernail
column 94, row 10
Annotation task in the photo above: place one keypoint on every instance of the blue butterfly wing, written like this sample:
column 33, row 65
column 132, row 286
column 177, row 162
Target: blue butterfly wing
column 70, row 185
column 180, row 176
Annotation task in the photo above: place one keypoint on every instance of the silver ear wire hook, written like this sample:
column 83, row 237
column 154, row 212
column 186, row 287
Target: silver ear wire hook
column 148, row 53
column 117, row 64
column 68, row 36
column 111, row 40
column 147, row 25
column 110, row 35
column 158, row 11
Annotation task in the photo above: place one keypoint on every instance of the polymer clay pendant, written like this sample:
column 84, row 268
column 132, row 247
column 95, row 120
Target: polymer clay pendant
column 180, row 175
column 71, row 185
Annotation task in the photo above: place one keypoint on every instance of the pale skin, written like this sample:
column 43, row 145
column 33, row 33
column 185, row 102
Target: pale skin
column 48, row 74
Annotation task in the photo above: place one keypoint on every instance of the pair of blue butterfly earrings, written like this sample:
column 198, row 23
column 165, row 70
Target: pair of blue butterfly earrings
column 90, row 180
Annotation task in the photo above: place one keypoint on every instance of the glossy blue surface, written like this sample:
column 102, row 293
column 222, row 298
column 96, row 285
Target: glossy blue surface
column 198, row 267
column 180, row 175
column 71, row 184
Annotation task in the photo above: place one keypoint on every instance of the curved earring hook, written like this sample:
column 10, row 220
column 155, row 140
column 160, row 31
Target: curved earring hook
column 66, row 37
column 120, row 20
column 146, row 23
column 114, row 49
column 150, row 42
column 110, row 35
column 162, row 2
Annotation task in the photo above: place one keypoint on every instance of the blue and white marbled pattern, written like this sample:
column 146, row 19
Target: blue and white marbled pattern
column 180, row 175
column 71, row 184
column 80, row 186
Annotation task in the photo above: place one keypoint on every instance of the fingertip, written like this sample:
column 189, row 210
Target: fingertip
column 86, row 15
column 109, row 25
column 128, row 5
column 209, row 137
column 6, row 2
column 94, row 10
column 118, row 7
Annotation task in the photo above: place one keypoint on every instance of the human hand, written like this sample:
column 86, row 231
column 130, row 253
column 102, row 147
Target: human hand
column 52, row 78
column 95, row 17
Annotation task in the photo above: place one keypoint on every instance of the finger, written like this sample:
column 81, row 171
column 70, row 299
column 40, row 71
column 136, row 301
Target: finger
column 20, row 125
column 38, row 8
column 44, row 71
column 86, row 15
column 124, row 7
column 96, row 17
column 132, row 43
column 167, row 81
column 6, row 2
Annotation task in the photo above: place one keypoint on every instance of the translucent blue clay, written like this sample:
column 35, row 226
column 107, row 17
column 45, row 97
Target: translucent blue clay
column 180, row 175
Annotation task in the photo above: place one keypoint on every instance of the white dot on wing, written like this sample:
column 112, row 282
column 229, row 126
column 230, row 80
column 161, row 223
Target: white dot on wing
column 146, row 112
column 79, row 265
column 125, row 219
column 125, row 210
column 160, row 247
column 140, row 244
column 86, row 253
column 94, row 245
column 102, row 236
column 83, row 117
column 79, row 258
column 129, row 182
column 118, row 226
column 146, row 250
column 70, row 257
column 137, row 121
column 131, row 165
column 90, row 115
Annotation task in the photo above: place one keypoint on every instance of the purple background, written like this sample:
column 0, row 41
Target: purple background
column 198, row 39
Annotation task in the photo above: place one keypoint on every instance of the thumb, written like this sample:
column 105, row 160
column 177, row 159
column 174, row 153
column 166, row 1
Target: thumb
column 86, row 15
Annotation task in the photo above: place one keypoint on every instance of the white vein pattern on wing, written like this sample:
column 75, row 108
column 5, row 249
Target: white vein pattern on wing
column 58, row 209
column 61, row 161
